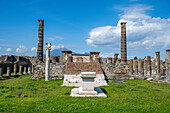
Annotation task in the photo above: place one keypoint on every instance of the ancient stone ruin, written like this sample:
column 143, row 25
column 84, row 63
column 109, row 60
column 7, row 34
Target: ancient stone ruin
column 70, row 65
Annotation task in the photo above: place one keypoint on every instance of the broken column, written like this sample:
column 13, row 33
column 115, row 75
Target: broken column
column 47, row 69
column 8, row 71
column 115, row 58
column 123, row 43
column 40, row 40
column 109, row 60
column 1, row 71
column 25, row 70
column 136, row 68
column 29, row 70
column 168, row 66
column 148, row 65
column 94, row 55
column 131, row 67
column 158, row 61
column 20, row 70
column 15, row 69
column 141, row 67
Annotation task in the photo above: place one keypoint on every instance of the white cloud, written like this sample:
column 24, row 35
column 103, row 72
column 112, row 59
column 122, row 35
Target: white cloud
column 33, row 49
column 105, row 55
column 142, row 30
column 21, row 49
column 8, row 50
column 55, row 38
column 57, row 47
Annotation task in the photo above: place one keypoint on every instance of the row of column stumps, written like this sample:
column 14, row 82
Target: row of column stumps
column 139, row 66
column 15, row 70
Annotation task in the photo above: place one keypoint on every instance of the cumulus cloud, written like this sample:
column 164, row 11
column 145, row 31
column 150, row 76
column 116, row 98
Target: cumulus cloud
column 21, row 49
column 57, row 46
column 8, row 50
column 142, row 30
column 33, row 49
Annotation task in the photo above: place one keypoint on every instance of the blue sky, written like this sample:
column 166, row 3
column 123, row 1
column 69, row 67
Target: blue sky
column 85, row 25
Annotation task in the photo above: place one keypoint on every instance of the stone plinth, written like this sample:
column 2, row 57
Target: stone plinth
column 87, row 87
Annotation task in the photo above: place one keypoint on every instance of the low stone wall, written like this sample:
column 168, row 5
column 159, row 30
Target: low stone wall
column 56, row 69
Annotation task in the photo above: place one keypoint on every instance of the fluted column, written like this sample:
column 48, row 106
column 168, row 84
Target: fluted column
column 158, row 62
column 47, row 69
column 20, row 70
column 8, row 71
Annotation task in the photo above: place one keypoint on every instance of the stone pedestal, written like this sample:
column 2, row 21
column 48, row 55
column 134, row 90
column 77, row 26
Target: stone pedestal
column 47, row 65
column 15, row 69
column 87, row 87
column 8, row 71
column 20, row 70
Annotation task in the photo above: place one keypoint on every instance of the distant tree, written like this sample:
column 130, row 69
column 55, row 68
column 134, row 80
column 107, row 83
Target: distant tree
column 135, row 57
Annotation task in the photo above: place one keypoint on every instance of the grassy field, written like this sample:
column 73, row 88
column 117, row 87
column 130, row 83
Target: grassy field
column 45, row 97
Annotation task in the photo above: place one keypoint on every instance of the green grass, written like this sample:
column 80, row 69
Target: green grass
column 134, row 96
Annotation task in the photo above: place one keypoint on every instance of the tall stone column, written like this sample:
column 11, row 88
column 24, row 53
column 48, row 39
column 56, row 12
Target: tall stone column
column 158, row 62
column 123, row 43
column 25, row 70
column 131, row 67
column 1, row 71
column 149, row 65
column 115, row 58
column 40, row 40
column 47, row 65
column 15, row 69
column 8, row 71
column 20, row 70
column 136, row 68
